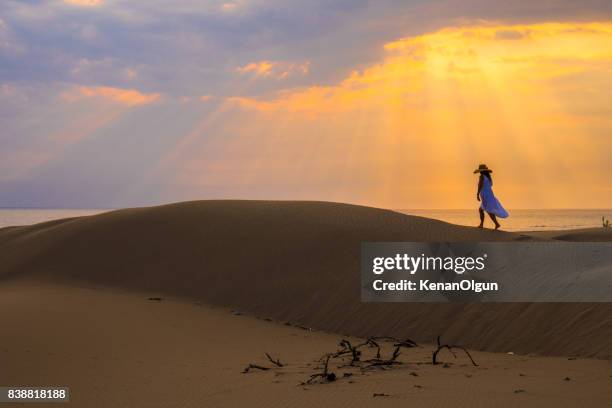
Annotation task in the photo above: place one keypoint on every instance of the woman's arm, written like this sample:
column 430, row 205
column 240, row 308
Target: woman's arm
column 479, row 187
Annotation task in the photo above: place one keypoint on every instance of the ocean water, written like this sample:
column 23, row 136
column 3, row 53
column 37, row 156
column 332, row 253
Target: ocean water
column 519, row 220
column 522, row 220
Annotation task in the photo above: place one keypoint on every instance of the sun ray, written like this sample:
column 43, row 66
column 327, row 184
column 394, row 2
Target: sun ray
column 410, row 128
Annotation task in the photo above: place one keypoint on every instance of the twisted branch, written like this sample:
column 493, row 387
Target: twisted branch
column 450, row 348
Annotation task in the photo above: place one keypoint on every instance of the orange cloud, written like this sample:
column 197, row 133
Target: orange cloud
column 127, row 97
column 262, row 68
column 274, row 69
column 85, row 3
column 227, row 7
column 463, row 59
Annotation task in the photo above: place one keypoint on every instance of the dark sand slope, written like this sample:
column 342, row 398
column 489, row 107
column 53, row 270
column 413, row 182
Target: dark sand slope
column 290, row 261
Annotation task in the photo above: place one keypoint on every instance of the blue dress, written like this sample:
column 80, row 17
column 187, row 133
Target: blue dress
column 488, row 202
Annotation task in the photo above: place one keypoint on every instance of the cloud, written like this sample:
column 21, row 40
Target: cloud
column 187, row 46
column 274, row 69
column 262, row 68
column 85, row 3
column 512, row 34
column 131, row 73
column 8, row 43
column 41, row 124
column 441, row 101
column 361, row 112
column 229, row 6
column 128, row 97
column 450, row 57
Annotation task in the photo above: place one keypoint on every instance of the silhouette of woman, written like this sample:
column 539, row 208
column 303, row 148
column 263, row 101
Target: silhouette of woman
column 487, row 199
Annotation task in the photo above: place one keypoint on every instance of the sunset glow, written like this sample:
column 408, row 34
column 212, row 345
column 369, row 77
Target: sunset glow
column 397, row 116
column 530, row 100
column 85, row 3
column 129, row 97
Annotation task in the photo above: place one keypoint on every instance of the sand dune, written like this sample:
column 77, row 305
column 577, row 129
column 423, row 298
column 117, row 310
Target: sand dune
column 291, row 261
column 576, row 235
column 120, row 350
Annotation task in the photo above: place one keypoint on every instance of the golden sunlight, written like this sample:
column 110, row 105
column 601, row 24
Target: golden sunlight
column 532, row 101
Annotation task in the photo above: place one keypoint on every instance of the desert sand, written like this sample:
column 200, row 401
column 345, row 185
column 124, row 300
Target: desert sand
column 75, row 310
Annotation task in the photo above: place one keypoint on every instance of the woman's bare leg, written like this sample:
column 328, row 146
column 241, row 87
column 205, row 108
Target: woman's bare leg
column 481, row 212
column 494, row 220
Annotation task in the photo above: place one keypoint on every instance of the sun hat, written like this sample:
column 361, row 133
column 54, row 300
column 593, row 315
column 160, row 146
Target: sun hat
column 483, row 169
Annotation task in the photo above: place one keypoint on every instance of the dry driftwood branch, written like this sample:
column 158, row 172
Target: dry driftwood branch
column 396, row 353
column 250, row 367
column 405, row 343
column 254, row 366
column 450, row 348
column 326, row 375
column 377, row 362
column 276, row 362
column 373, row 343
column 348, row 348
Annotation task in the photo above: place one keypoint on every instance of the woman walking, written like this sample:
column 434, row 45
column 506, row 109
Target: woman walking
column 487, row 199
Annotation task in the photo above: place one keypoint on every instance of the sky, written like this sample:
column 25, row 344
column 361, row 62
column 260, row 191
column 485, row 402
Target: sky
column 115, row 103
